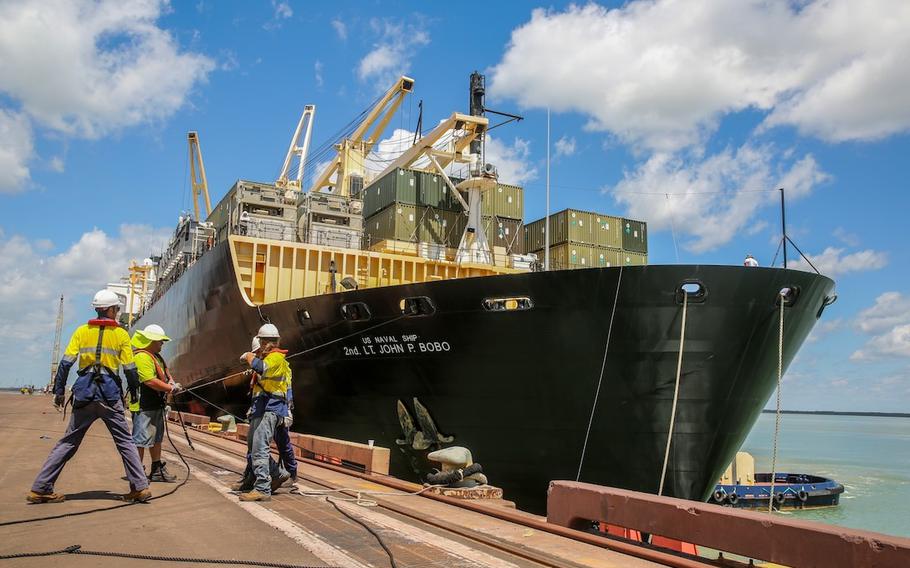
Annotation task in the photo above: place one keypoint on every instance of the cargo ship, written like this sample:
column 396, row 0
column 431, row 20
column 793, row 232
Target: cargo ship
column 420, row 330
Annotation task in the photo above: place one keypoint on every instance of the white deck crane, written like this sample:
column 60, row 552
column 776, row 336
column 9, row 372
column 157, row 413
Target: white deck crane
column 300, row 146
column 352, row 152
column 197, row 175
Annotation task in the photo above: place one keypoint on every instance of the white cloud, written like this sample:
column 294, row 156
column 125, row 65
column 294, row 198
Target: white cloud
column 392, row 52
column 57, row 164
column 834, row 262
column 87, row 68
column 565, row 146
column 317, row 71
column 888, row 322
column 849, row 239
column 341, row 29
column 281, row 11
column 32, row 276
column 661, row 74
column 16, row 149
column 713, row 198
column 511, row 160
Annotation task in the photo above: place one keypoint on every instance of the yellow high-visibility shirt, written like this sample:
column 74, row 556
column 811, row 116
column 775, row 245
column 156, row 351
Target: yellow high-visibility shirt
column 115, row 348
column 276, row 378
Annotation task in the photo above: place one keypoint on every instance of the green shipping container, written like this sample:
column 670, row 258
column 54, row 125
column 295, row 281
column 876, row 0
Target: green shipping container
column 504, row 201
column 434, row 192
column 634, row 258
column 397, row 223
column 577, row 255
column 440, row 227
column 634, row 236
column 398, row 186
column 568, row 225
column 607, row 231
column 504, row 232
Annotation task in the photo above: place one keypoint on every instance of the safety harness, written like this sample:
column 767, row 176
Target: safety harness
column 161, row 372
column 96, row 370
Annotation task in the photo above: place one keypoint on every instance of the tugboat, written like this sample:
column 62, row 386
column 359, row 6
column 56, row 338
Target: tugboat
column 741, row 487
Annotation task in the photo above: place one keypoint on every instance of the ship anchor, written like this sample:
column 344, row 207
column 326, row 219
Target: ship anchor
column 424, row 437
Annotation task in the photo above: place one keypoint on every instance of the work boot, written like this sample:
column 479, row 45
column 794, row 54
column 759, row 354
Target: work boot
column 161, row 474
column 35, row 497
column 137, row 496
column 291, row 480
column 255, row 496
column 279, row 481
column 244, row 485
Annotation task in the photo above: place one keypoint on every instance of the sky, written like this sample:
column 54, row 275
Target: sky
column 685, row 114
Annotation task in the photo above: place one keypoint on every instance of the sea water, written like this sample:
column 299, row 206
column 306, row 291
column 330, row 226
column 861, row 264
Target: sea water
column 869, row 455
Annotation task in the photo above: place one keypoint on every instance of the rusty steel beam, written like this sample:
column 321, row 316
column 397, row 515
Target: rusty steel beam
column 755, row 535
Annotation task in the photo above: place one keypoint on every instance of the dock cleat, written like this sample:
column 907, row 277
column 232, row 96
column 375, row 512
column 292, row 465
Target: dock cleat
column 35, row 497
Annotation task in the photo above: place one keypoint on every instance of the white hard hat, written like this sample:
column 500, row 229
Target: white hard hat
column 255, row 345
column 154, row 332
column 268, row 330
column 105, row 299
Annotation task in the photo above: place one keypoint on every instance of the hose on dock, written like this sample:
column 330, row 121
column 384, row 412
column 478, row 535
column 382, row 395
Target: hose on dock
column 77, row 549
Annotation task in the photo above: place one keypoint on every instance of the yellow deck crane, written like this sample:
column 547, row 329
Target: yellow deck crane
column 197, row 175
column 352, row 151
column 55, row 354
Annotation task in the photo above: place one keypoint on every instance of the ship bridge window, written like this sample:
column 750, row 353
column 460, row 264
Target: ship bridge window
column 693, row 291
column 356, row 311
column 507, row 304
column 417, row 306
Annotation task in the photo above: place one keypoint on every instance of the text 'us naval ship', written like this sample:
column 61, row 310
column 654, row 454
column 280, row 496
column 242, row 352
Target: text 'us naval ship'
column 416, row 311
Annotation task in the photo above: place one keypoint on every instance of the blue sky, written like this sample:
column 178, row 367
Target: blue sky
column 679, row 113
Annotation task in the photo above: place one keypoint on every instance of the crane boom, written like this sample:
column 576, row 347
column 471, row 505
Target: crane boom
column 298, row 148
column 197, row 175
column 353, row 151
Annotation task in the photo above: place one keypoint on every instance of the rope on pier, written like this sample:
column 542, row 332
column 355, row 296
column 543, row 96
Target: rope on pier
column 682, row 343
column 603, row 365
column 780, row 376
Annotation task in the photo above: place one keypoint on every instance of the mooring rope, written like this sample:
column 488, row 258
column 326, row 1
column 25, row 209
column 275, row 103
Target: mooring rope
column 679, row 359
column 603, row 365
column 780, row 375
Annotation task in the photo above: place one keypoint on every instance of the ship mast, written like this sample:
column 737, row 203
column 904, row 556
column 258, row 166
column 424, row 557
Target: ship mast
column 352, row 152
column 55, row 354
column 197, row 175
column 298, row 148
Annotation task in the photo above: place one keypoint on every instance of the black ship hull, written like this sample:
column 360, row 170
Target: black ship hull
column 516, row 387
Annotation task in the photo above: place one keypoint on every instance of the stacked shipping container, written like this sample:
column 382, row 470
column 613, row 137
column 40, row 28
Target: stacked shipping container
column 412, row 206
column 582, row 239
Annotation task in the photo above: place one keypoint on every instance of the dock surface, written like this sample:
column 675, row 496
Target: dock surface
column 203, row 519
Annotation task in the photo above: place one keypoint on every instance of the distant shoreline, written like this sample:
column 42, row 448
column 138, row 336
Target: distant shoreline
column 839, row 413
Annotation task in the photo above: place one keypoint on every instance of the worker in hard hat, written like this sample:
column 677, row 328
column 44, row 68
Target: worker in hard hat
column 268, row 408
column 750, row 261
column 100, row 347
column 155, row 383
column 278, row 474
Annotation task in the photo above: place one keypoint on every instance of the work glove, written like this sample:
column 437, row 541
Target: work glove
column 134, row 394
column 288, row 420
column 59, row 399
column 176, row 387
column 245, row 356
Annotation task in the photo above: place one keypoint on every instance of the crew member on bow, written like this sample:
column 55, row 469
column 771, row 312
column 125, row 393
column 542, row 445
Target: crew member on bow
column 100, row 347
column 268, row 408
column 155, row 384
